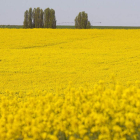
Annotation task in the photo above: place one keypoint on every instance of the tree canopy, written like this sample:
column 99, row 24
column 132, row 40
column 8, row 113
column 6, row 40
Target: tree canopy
column 81, row 21
column 37, row 18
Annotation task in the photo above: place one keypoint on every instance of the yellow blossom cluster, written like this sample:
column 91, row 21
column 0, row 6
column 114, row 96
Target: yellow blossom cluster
column 72, row 114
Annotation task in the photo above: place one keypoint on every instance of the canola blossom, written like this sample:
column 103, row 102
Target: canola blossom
column 50, row 87
column 72, row 114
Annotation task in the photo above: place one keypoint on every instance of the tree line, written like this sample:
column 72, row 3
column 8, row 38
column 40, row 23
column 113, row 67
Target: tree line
column 37, row 18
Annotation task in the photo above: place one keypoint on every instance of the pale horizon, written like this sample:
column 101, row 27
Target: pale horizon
column 100, row 13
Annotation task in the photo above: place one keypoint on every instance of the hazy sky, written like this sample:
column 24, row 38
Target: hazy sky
column 100, row 12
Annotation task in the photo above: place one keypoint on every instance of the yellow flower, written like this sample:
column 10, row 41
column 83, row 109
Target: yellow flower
column 117, row 128
column 72, row 138
column 82, row 132
column 86, row 138
column 44, row 135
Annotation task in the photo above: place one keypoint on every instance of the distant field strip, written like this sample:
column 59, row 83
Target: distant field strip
column 44, row 58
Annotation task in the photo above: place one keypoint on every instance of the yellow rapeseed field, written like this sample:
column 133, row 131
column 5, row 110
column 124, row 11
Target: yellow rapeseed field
column 43, row 58
column 69, row 84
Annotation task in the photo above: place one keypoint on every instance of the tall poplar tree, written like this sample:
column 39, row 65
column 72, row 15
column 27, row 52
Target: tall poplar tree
column 49, row 18
column 41, row 18
column 26, row 23
column 37, row 15
column 46, row 17
column 38, row 18
column 30, row 18
column 52, row 19
column 81, row 21
column 33, row 16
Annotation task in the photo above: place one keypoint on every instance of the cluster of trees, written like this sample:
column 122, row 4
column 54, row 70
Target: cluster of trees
column 81, row 21
column 37, row 18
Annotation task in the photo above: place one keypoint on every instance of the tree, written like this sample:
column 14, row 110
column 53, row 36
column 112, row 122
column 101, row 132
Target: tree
column 33, row 16
column 41, row 18
column 88, row 25
column 46, row 17
column 30, row 18
column 26, row 23
column 81, row 21
column 49, row 18
column 52, row 19
column 36, row 18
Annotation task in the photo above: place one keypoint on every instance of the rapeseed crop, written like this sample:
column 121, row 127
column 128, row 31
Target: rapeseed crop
column 35, row 59
column 72, row 114
column 50, row 87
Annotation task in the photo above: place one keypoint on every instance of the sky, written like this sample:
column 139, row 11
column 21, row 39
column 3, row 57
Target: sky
column 100, row 12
